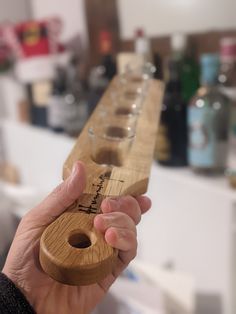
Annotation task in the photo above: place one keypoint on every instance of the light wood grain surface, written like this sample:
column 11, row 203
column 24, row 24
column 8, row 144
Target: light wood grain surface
column 71, row 250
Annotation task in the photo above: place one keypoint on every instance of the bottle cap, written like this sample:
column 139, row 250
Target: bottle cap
column 228, row 48
column 139, row 32
column 178, row 42
column 209, row 68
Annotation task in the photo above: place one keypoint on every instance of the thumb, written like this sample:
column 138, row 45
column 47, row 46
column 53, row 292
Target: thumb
column 60, row 199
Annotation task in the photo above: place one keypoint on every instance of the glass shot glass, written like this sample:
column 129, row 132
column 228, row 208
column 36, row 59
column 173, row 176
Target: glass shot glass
column 140, row 76
column 128, row 91
column 123, row 106
column 110, row 143
column 120, row 116
column 144, row 72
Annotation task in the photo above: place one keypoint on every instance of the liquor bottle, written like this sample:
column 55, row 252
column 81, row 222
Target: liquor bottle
column 227, row 76
column 208, row 121
column 76, row 114
column 189, row 69
column 231, row 162
column 171, row 144
column 38, row 94
column 107, row 61
column 227, row 81
column 76, row 100
column 57, row 108
column 101, row 75
column 158, row 63
column 142, row 45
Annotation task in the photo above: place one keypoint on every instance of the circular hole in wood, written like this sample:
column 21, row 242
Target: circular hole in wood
column 79, row 241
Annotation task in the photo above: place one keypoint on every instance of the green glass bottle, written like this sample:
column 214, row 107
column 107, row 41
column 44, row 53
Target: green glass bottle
column 189, row 68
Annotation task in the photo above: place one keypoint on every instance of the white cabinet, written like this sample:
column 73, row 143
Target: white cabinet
column 192, row 223
column 190, row 227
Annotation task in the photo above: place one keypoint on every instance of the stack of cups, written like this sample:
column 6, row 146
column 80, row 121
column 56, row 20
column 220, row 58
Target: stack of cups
column 114, row 127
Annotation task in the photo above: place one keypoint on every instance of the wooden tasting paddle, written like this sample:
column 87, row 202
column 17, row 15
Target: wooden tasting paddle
column 71, row 250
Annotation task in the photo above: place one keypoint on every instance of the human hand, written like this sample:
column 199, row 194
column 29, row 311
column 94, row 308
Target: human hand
column 117, row 222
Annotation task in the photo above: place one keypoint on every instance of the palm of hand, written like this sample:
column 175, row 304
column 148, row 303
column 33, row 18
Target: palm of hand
column 118, row 224
column 47, row 295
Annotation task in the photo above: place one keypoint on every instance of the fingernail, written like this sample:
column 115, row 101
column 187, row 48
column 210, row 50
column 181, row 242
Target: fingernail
column 114, row 203
column 101, row 221
column 98, row 220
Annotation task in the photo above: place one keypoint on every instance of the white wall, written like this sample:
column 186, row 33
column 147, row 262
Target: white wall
column 14, row 11
column 158, row 17
column 46, row 152
column 162, row 17
column 70, row 11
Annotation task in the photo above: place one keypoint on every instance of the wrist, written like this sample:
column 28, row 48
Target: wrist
column 15, row 279
column 12, row 299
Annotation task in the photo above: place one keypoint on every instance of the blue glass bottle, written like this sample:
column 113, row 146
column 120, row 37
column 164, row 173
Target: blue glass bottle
column 208, row 121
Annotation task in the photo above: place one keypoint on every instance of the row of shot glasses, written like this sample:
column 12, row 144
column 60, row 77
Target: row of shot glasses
column 114, row 127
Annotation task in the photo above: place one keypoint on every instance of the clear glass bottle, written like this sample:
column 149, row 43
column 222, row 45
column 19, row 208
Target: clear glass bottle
column 227, row 73
column 231, row 163
column 227, row 81
column 208, row 121
column 142, row 45
column 77, row 112
column 76, row 100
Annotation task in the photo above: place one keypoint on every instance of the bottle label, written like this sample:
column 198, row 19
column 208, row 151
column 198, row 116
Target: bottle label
column 76, row 117
column 230, row 92
column 202, row 141
column 41, row 92
column 57, row 111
